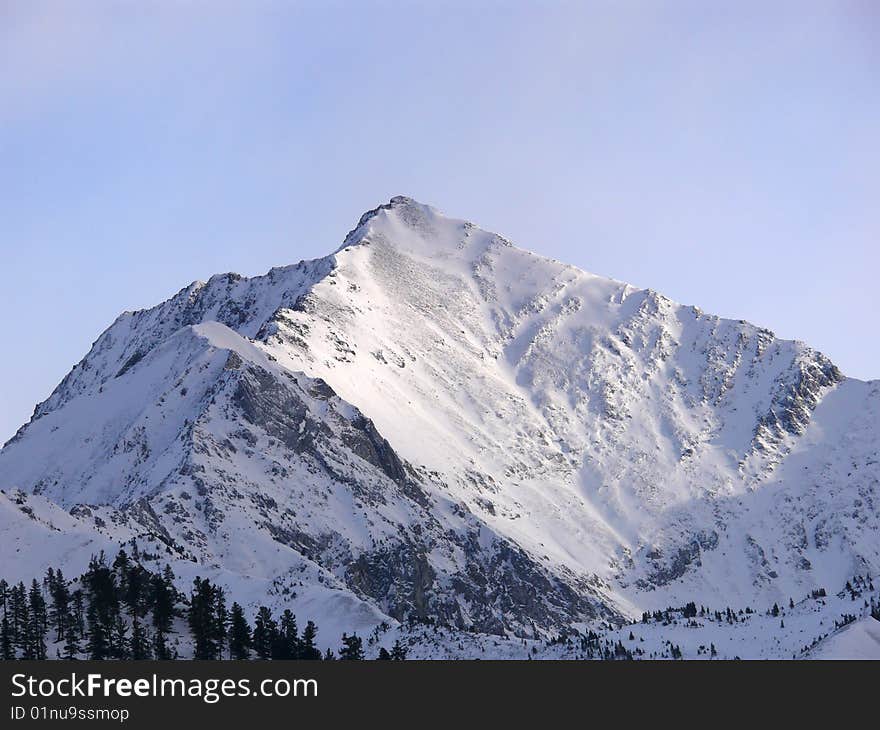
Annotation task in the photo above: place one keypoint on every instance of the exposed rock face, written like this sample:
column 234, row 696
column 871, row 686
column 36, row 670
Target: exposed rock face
column 685, row 558
column 796, row 399
column 435, row 568
column 432, row 425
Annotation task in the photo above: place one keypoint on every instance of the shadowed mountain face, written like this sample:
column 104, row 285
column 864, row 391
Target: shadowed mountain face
column 433, row 425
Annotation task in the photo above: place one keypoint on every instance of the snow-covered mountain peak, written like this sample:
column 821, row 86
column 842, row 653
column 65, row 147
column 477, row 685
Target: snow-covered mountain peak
column 433, row 423
column 421, row 230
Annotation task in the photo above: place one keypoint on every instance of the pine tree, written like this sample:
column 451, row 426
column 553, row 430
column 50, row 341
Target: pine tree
column 60, row 595
column 78, row 614
column 398, row 653
column 265, row 632
column 103, row 614
column 121, row 565
column 39, row 622
column 287, row 643
column 17, row 607
column 119, row 640
column 72, row 647
column 220, row 624
column 352, row 648
column 168, row 576
column 7, row 640
column 53, row 613
column 7, row 646
column 98, row 640
column 140, row 642
column 307, row 646
column 239, row 634
column 161, row 650
column 136, row 583
column 162, row 598
column 206, row 617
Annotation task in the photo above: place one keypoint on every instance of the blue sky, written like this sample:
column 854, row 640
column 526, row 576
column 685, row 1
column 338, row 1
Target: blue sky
column 725, row 154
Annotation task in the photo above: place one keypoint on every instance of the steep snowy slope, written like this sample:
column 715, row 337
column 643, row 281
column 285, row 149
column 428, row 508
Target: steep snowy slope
column 239, row 464
column 603, row 427
column 35, row 531
column 860, row 640
column 431, row 424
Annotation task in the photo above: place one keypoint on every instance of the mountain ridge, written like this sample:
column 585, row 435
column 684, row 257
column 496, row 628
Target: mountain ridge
column 454, row 429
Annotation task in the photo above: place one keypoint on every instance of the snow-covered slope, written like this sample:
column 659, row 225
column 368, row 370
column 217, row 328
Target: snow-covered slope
column 431, row 424
column 860, row 640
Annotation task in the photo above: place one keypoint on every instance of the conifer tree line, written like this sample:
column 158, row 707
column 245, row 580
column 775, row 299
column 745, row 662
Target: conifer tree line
column 121, row 610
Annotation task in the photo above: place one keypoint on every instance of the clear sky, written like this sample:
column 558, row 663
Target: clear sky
column 726, row 154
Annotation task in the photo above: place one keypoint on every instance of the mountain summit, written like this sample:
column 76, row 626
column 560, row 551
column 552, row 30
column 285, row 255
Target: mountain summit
column 432, row 426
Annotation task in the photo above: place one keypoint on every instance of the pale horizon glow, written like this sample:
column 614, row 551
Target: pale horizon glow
column 727, row 157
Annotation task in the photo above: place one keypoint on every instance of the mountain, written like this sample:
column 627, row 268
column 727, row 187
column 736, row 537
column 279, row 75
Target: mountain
column 433, row 427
